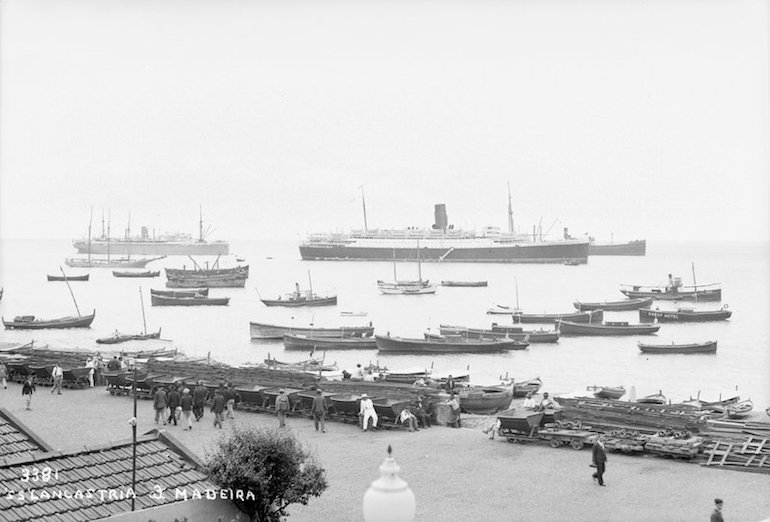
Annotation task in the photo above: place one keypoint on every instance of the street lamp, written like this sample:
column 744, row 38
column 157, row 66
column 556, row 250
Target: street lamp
column 389, row 498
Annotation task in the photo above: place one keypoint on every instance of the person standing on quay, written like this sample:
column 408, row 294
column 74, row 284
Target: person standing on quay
column 3, row 375
column 58, row 376
column 599, row 458
column 281, row 407
column 219, row 408
column 28, row 389
column 199, row 400
column 232, row 397
column 160, row 405
column 716, row 515
column 187, row 405
column 173, row 402
column 318, row 411
column 367, row 412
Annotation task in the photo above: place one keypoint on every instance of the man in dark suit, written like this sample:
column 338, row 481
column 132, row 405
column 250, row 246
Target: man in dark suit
column 716, row 515
column 599, row 458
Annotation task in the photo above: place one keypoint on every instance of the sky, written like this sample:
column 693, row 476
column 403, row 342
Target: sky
column 631, row 119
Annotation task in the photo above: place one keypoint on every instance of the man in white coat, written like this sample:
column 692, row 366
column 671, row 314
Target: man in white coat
column 367, row 412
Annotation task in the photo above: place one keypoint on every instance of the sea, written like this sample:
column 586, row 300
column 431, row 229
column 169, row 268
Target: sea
column 741, row 365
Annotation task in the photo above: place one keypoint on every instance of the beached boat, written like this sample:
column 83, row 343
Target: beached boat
column 684, row 315
column 309, row 365
column 607, row 392
column 274, row 331
column 29, row 322
column 438, row 344
column 81, row 277
column 160, row 300
column 180, row 293
column 141, row 273
column 485, row 400
column 706, row 347
column 403, row 375
column 464, row 283
column 122, row 338
column 591, row 316
column 522, row 388
column 739, row 410
column 716, row 406
column 655, row 398
column 606, row 328
column 607, row 306
column 310, row 342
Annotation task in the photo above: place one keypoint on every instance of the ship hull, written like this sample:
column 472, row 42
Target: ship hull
column 117, row 247
column 555, row 252
column 632, row 248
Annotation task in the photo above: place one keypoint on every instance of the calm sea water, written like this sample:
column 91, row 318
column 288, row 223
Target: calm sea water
column 742, row 361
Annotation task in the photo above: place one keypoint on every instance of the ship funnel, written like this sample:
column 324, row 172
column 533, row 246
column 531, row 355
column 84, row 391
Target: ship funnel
column 566, row 233
column 440, row 217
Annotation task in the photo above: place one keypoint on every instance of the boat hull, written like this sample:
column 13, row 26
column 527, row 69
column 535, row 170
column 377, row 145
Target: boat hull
column 295, row 303
column 682, row 316
column 300, row 342
column 397, row 344
column 450, row 251
column 112, row 263
column 150, row 248
column 667, row 295
column 485, row 401
column 626, row 304
column 708, row 347
column 180, row 293
column 577, row 317
column 631, row 248
column 159, row 300
column 148, row 273
column 116, row 339
column 273, row 331
column 516, row 333
column 572, row 328
column 83, row 277
column 464, row 283
column 64, row 322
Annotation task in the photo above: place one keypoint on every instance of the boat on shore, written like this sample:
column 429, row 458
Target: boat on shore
column 485, row 400
column 706, row 347
column 522, row 388
column 684, row 315
column 607, row 392
column 613, row 306
column 310, row 342
column 739, row 410
column 441, row 344
column 442, row 242
column 575, row 317
column 274, row 331
column 81, row 277
column 637, row 247
column 30, row 322
column 117, row 337
column 198, row 300
column 142, row 273
column 464, row 283
column 655, row 398
column 606, row 328
column 180, row 293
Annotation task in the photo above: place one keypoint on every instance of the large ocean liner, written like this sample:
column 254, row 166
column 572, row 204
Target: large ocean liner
column 144, row 244
column 443, row 242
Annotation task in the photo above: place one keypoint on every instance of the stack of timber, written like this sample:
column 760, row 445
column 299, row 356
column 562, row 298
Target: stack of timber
column 609, row 415
column 749, row 453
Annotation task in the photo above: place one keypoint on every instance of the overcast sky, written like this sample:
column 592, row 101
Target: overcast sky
column 642, row 119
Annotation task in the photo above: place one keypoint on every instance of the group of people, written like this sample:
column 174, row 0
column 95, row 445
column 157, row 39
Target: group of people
column 413, row 416
column 174, row 402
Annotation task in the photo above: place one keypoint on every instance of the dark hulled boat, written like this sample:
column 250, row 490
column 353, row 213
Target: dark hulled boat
column 707, row 347
column 575, row 317
column 82, row 277
column 607, row 328
column 310, row 342
column 274, row 331
column 655, row 398
column 485, row 400
column 464, row 283
column 438, row 344
column 625, row 304
column 200, row 277
column 117, row 338
column 29, row 322
column 159, row 300
column 684, row 315
column 142, row 273
column 522, row 388
column 637, row 247
column 180, row 293
column 516, row 333
column 707, row 292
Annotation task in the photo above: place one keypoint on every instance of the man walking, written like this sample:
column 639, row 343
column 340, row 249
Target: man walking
column 281, row 407
column 27, row 390
column 160, row 405
column 716, row 515
column 3, row 376
column 599, row 458
column 218, row 408
column 58, row 376
column 173, row 402
column 318, row 411
column 199, row 399
column 187, row 405
column 232, row 397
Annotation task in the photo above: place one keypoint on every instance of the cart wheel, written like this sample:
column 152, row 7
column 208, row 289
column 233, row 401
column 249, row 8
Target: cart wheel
column 577, row 444
column 555, row 443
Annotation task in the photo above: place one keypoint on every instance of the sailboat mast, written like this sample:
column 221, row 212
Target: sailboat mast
column 363, row 203
column 310, row 282
column 70, row 288
column 108, row 235
column 144, row 319
column 510, row 210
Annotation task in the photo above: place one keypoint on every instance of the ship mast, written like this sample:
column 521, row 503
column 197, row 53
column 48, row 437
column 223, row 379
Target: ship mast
column 108, row 235
column 144, row 319
column 419, row 266
column 510, row 210
column 90, row 220
column 70, row 289
column 200, row 223
column 363, row 203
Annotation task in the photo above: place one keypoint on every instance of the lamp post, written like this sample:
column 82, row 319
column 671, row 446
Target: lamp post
column 389, row 498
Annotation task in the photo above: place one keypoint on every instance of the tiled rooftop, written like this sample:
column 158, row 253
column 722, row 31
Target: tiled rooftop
column 16, row 440
column 104, row 472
